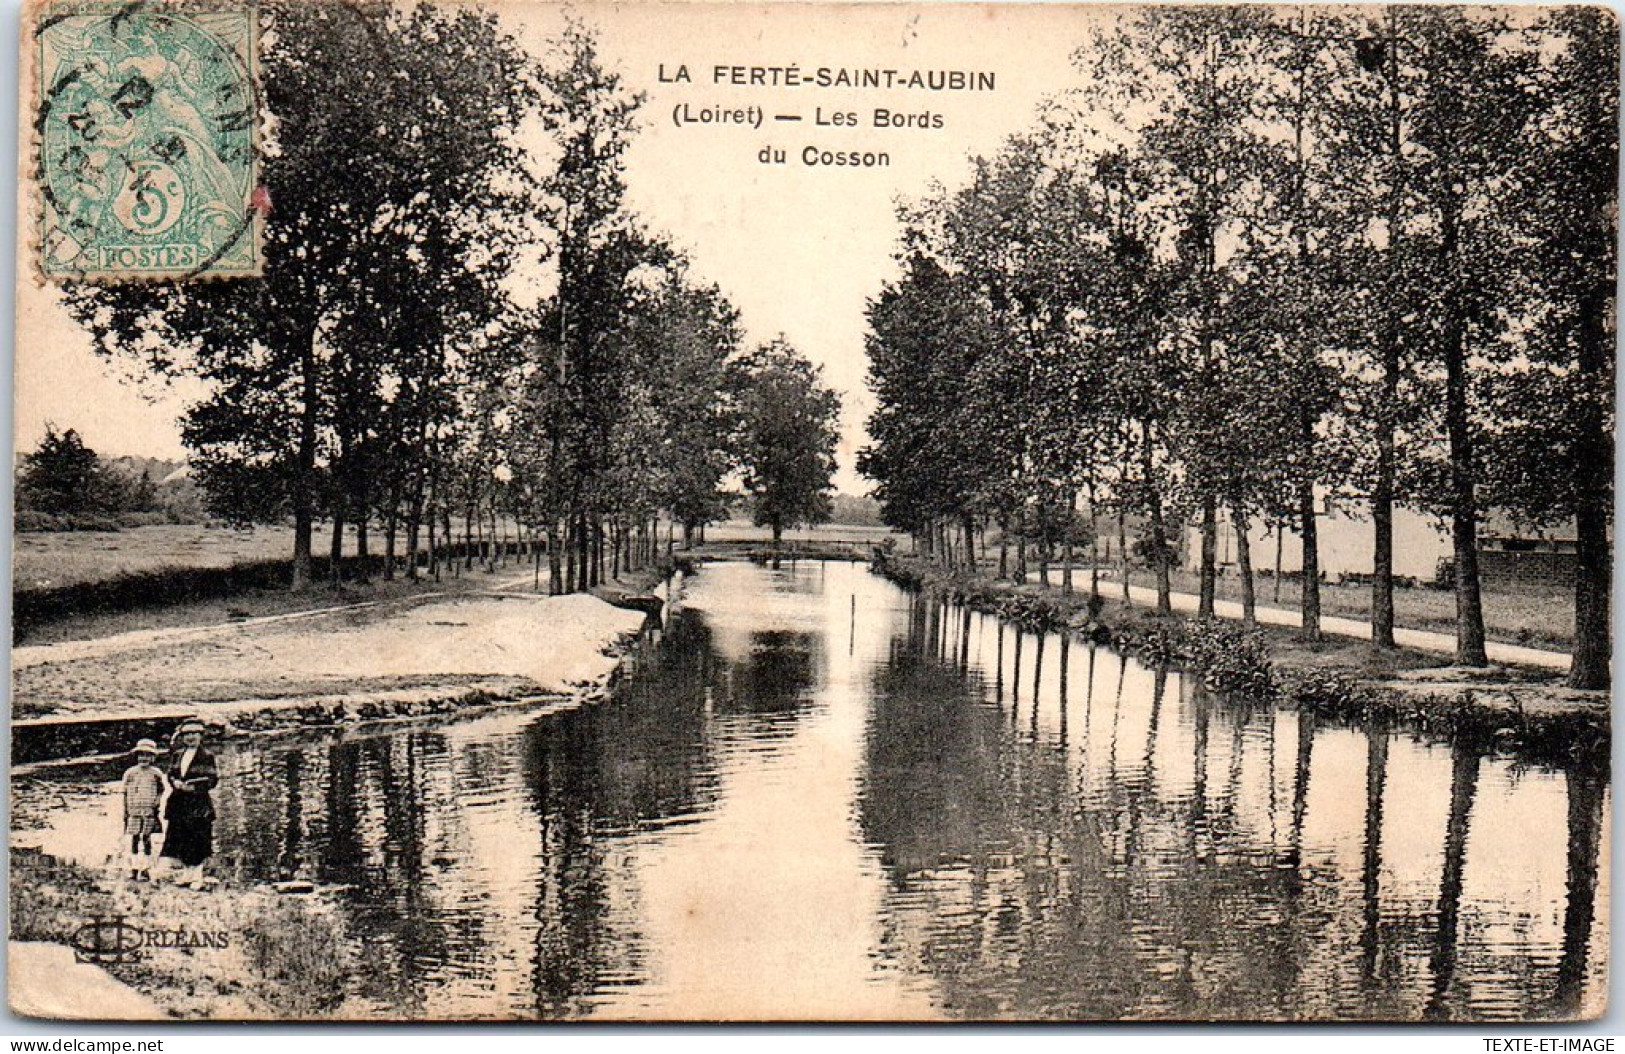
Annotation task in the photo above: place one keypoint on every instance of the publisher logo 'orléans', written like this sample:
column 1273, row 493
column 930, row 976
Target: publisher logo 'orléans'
column 114, row 939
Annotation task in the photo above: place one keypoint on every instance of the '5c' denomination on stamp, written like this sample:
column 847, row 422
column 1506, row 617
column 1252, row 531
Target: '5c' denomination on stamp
column 146, row 118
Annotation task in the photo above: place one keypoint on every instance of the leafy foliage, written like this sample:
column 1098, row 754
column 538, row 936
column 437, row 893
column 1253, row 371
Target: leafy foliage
column 788, row 434
column 1266, row 256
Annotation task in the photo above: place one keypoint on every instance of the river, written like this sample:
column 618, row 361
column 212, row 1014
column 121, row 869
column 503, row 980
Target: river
column 818, row 796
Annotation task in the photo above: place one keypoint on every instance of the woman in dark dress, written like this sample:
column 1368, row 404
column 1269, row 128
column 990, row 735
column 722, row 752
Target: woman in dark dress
column 189, row 831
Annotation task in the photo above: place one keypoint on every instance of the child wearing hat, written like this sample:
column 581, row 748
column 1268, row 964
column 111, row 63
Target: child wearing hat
column 144, row 785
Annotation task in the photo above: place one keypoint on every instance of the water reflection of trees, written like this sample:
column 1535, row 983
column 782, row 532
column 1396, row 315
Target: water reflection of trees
column 609, row 770
column 776, row 675
column 1183, row 885
column 385, row 814
column 648, row 758
column 1111, row 851
column 1587, row 785
column 985, row 856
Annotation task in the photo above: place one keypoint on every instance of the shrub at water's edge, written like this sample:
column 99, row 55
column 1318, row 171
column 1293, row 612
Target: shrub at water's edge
column 1236, row 659
column 1230, row 657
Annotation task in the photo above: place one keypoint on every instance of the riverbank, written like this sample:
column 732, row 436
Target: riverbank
column 1523, row 709
column 410, row 652
column 269, row 952
column 223, row 954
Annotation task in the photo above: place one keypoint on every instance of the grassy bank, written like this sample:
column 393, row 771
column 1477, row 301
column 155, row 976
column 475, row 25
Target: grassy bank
column 87, row 584
column 1339, row 678
column 1535, row 617
column 283, row 957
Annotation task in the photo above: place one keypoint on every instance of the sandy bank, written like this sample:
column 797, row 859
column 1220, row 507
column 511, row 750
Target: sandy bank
column 524, row 643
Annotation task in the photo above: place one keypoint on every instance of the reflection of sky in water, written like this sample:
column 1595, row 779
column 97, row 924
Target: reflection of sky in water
column 817, row 798
column 771, row 907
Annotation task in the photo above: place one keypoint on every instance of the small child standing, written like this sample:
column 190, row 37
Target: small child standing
column 144, row 786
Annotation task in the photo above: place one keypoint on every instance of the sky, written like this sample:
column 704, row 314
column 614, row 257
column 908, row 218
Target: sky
column 798, row 249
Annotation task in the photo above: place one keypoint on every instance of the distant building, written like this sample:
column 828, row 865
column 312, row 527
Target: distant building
column 1510, row 553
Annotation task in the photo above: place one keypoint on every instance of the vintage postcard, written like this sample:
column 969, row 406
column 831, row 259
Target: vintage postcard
column 812, row 511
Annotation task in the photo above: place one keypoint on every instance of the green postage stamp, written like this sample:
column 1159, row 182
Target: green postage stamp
column 145, row 121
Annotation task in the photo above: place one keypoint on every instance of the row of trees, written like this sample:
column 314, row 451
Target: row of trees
column 456, row 328
column 1264, row 256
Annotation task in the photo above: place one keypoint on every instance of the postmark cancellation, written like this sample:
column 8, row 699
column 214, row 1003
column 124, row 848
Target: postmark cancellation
column 145, row 121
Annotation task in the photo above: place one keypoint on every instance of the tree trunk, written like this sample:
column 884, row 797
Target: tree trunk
column 1210, row 557
column 1458, row 428
column 335, row 550
column 572, row 544
column 584, row 556
column 1066, row 564
column 392, row 523
column 446, row 537
column 1382, row 496
column 555, row 574
column 1122, row 546
column 1159, row 531
column 1593, row 574
column 1382, row 502
column 434, row 550
column 1308, row 526
column 414, row 524
column 1244, row 565
column 361, row 546
column 1280, row 545
column 597, row 552
column 304, row 487
column 1309, row 532
column 1593, row 485
column 589, row 551
column 1094, row 547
